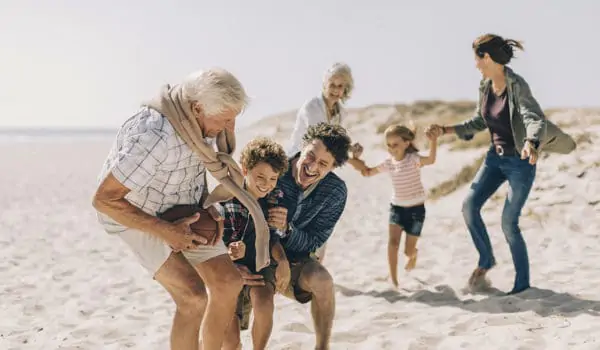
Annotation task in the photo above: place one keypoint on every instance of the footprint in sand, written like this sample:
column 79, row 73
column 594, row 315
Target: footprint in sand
column 297, row 327
column 136, row 318
column 349, row 337
column 387, row 316
column 425, row 343
column 122, row 284
column 66, row 273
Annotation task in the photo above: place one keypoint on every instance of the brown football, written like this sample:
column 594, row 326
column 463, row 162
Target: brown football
column 206, row 226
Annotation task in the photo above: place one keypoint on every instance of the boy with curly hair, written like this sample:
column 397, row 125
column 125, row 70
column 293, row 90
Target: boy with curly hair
column 263, row 161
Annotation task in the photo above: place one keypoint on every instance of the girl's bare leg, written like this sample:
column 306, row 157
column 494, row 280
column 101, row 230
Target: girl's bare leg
column 410, row 250
column 393, row 247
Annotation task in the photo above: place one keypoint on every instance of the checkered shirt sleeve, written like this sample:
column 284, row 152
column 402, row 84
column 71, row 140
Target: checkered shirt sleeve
column 143, row 150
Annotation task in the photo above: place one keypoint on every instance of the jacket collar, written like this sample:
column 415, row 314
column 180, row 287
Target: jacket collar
column 509, row 74
column 511, row 81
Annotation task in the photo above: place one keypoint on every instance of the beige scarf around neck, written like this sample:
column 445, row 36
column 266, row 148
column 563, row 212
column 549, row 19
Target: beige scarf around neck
column 221, row 165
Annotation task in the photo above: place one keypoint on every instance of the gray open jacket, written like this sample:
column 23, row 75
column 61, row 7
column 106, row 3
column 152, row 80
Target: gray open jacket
column 527, row 119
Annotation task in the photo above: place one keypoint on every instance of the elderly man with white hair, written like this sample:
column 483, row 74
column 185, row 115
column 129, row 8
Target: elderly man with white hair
column 327, row 107
column 159, row 160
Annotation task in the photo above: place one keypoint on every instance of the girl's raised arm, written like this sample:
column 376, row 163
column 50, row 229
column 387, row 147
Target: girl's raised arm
column 361, row 166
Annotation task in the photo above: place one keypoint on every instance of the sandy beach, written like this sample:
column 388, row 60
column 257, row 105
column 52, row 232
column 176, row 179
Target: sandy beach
column 65, row 284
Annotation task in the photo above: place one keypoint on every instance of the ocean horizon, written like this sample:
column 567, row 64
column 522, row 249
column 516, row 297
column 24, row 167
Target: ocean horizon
column 32, row 134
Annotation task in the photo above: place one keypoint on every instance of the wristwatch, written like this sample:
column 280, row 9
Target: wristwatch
column 284, row 233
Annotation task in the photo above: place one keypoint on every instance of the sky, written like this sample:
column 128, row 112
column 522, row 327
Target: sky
column 89, row 63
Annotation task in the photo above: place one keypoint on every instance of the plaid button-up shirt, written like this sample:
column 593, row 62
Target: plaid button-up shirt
column 238, row 225
column 150, row 159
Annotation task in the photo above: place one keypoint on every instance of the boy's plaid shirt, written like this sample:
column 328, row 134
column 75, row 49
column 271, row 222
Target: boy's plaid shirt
column 239, row 226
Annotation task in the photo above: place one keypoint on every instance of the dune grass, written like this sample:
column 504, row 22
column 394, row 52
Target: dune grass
column 464, row 176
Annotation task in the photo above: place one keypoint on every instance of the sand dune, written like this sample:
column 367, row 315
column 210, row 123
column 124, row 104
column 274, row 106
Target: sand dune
column 68, row 285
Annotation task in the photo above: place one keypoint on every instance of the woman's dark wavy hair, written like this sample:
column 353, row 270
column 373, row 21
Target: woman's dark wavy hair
column 500, row 50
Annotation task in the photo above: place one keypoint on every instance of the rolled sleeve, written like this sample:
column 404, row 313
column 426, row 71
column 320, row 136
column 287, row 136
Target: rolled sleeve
column 531, row 112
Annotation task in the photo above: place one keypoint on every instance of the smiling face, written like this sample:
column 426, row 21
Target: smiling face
column 484, row 64
column 334, row 89
column 261, row 179
column 396, row 146
column 314, row 163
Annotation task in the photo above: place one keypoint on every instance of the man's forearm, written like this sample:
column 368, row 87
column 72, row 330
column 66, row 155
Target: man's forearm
column 278, row 253
column 131, row 216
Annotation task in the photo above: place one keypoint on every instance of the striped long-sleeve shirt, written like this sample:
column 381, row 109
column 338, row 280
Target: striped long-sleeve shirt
column 311, row 218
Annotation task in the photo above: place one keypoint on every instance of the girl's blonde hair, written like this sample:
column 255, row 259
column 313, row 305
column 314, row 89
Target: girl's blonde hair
column 406, row 133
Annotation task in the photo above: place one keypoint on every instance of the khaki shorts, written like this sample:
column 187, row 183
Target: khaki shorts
column 300, row 295
column 152, row 252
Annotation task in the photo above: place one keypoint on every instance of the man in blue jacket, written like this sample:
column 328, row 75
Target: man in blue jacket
column 314, row 199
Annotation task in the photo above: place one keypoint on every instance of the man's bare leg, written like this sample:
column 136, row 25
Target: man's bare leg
column 184, row 284
column 320, row 253
column 224, row 283
column 232, row 335
column 316, row 279
column 393, row 247
column 263, row 306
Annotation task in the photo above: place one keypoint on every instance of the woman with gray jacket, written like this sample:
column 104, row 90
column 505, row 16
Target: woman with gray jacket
column 518, row 131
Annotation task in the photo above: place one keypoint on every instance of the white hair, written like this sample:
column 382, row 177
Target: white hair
column 343, row 71
column 216, row 90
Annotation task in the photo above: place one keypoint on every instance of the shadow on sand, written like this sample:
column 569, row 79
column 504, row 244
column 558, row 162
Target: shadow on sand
column 543, row 302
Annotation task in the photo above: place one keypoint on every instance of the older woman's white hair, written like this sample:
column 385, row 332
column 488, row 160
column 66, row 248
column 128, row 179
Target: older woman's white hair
column 343, row 71
column 216, row 90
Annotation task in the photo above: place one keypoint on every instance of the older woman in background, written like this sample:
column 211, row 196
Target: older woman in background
column 327, row 106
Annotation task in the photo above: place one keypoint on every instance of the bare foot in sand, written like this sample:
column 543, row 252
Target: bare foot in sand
column 411, row 263
column 478, row 281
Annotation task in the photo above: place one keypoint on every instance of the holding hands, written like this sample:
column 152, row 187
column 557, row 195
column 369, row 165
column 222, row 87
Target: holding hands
column 356, row 150
column 434, row 131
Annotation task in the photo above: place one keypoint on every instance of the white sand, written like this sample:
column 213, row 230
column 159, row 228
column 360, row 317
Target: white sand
column 65, row 284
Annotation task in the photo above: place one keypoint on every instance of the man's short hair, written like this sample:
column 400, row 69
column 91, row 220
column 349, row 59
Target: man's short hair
column 334, row 137
column 264, row 150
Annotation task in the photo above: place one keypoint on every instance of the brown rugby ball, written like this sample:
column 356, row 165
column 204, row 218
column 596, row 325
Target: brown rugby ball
column 206, row 226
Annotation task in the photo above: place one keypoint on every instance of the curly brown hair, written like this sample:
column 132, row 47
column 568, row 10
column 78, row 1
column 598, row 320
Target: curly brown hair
column 334, row 137
column 263, row 149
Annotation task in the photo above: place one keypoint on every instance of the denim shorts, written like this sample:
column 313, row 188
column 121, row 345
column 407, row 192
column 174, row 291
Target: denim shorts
column 411, row 219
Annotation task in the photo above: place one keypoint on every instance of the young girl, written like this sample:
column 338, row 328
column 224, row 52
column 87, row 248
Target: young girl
column 407, row 209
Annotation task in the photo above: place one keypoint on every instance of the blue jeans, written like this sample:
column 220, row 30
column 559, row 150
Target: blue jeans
column 494, row 171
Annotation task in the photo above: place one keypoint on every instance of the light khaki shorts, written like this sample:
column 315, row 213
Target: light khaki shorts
column 152, row 252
